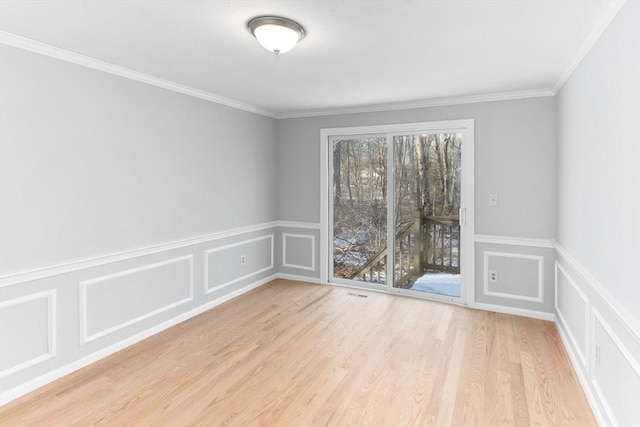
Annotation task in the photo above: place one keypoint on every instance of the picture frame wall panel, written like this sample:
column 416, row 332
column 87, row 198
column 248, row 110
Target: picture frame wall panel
column 229, row 264
column 615, row 373
column 525, row 284
column 603, row 345
column 37, row 314
column 520, row 276
column 59, row 318
column 572, row 308
column 114, row 301
column 299, row 251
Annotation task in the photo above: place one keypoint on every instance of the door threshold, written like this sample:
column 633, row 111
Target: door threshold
column 403, row 293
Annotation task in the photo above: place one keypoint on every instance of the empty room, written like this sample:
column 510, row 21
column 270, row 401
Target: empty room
column 340, row 213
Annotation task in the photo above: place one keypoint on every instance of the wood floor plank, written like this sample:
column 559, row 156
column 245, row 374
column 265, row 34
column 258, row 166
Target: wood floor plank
column 470, row 398
column 295, row 354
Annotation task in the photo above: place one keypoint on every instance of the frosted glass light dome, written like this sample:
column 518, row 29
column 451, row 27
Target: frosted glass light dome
column 276, row 34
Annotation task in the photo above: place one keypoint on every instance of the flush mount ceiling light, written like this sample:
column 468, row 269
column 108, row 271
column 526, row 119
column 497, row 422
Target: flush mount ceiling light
column 276, row 34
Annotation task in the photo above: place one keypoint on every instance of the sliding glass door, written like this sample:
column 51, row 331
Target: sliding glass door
column 394, row 207
column 427, row 172
column 359, row 208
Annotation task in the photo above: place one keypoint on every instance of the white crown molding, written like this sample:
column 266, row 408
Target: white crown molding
column 437, row 102
column 20, row 42
column 608, row 13
column 14, row 40
column 606, row 16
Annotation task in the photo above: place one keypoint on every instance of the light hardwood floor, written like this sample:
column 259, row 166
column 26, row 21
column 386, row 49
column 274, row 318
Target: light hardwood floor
column 291, row 353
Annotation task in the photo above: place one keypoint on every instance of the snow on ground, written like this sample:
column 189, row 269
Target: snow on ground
column 439, row 283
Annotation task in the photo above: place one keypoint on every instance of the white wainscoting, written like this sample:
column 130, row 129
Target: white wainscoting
column 514, row 241
column 615, row 374
column 297, row 254
column 15, row 278
column 143, row 291
column 524, row 285
column 623, row 316
column 119, row 299
column 299, row 224
column 46, row 335
column 538, row 259
column 230, row 255
column 606, row 364
column 572, row 309
column 311, row 265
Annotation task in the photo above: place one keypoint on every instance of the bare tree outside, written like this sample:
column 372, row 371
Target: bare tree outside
column 359, row 203
column 427, row 172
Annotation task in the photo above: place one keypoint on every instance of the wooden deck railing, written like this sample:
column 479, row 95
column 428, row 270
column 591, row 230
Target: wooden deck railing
column 425, row 244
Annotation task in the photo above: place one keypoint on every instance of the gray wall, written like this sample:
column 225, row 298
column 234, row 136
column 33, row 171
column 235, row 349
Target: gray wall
column 514, row 157
column 598, row 219
column 598, row 172
column 92, row 163
column 157, row 194
column 514, row 150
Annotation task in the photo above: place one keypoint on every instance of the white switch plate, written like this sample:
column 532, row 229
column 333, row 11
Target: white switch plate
column 493, row 199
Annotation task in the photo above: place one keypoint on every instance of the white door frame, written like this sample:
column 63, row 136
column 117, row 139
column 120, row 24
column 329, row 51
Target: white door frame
column 467, row 233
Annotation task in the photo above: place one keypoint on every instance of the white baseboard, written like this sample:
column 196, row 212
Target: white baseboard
column 49, row 377
column 550, row 317
column 297, row 278
column 480, row 306
column 596, row 297
column 584, row 382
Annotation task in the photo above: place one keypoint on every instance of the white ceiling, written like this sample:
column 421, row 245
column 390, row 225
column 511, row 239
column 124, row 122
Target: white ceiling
column 356, row 53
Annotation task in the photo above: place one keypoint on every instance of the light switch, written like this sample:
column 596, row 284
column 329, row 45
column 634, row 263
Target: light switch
column 493, row 199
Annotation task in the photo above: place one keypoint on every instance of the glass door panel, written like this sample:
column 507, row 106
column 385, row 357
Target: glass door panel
column 359, row 208
column 427, row 180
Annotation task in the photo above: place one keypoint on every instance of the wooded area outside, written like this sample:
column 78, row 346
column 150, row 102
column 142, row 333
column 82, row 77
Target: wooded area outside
column 427, row 172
